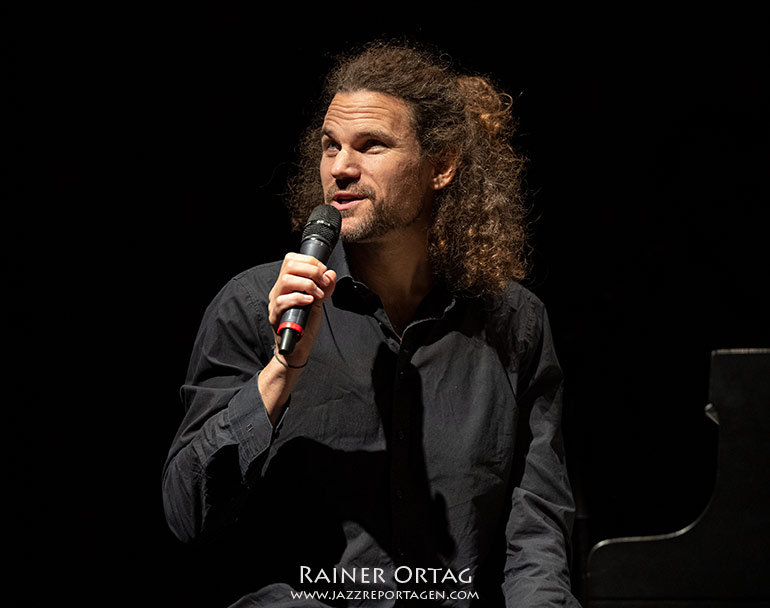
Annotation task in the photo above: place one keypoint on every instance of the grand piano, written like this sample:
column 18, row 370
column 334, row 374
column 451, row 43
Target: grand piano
column 721, row 560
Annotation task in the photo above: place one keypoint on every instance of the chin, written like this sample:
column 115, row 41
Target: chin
column 352, row 229
column 356, row 236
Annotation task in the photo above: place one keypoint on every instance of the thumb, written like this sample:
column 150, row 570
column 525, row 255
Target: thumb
column 329, row 289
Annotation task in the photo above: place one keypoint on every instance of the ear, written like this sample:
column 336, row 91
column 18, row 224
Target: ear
column 443, row 173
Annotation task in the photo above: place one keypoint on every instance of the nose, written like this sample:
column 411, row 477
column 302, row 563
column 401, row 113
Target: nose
column 345, row 165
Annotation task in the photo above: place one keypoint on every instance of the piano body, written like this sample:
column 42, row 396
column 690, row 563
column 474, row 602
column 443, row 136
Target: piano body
column 722, row 560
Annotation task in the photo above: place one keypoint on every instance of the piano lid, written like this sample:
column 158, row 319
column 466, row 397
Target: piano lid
column 722, row 558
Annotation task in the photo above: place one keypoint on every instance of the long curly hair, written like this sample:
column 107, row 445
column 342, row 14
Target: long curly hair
column 479, row 234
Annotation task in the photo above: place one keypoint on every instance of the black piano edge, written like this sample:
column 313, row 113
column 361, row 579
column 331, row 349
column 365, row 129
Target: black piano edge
column 720, row 560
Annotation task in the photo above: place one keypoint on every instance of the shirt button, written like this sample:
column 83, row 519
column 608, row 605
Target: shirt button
column 399, row 495
column 401, row 434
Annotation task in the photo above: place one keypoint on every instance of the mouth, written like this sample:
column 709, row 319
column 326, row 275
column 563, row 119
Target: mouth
column 344, row 200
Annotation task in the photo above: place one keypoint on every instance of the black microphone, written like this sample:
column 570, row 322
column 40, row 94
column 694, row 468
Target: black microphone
column 318, row 239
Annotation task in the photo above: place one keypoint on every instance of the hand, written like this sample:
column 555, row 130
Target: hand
column 302, row 280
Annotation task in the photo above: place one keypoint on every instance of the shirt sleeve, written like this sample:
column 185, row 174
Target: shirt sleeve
column 542, row 508
column 225, row 433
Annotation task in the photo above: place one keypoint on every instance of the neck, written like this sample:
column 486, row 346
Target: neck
column 398, row 271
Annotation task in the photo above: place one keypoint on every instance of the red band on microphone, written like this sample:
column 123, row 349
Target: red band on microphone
column 290, row 325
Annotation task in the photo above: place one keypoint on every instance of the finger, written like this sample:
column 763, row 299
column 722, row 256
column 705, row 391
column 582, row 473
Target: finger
column 288, row 283
column 289, row 300
column 300, row 257
column 303, row 265
column 286, row 301
column 331, row 283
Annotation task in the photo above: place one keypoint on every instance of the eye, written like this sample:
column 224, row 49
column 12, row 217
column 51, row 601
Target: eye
column 329, row 146
column 374, row 145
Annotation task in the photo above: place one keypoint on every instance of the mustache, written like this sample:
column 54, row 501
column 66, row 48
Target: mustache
column 357, row 191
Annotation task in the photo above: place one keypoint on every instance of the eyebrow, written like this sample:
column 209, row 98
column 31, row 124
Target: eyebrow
column 367, row 134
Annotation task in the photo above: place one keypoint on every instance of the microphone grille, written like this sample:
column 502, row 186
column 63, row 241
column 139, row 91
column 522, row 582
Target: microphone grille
column 324, row 223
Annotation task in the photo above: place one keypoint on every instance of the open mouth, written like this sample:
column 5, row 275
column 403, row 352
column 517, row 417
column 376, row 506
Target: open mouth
column 346, row 200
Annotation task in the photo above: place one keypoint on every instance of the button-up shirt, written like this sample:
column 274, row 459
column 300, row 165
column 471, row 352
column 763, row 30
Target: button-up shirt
column 423, row 467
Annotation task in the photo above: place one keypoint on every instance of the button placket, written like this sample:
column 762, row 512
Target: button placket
column 403, row 404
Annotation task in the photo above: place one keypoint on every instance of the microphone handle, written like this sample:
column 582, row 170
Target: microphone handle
column 296, row 317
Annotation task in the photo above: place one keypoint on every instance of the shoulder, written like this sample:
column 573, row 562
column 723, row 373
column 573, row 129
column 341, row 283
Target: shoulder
column 515, row 319
column 257, row 280
column 518, row 297
column 245, row 292
column 518, row 308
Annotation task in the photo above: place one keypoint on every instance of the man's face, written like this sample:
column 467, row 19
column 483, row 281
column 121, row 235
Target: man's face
column 372, row 169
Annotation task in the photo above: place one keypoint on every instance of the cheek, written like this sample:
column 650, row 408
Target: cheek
column 414, row 180
column 406, row 177
column 324, row 170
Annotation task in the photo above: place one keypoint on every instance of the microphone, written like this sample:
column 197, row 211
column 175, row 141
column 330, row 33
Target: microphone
column 318, row 239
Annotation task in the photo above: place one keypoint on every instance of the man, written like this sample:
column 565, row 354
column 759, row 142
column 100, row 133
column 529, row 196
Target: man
column 409, row 448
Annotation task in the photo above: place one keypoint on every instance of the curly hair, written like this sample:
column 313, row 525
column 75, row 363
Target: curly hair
column 478, row 239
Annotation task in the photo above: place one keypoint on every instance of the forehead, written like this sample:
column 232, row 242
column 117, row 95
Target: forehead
column 362, row 110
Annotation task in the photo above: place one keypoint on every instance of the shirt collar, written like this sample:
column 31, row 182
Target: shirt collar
column 349, row 290
column 338, row 261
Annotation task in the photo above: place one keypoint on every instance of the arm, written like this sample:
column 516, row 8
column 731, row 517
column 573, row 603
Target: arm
column 302, row 281
column 234, row 396
column 539, row 525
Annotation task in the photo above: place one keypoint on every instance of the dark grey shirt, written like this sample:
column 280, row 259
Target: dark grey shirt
column 430, row 467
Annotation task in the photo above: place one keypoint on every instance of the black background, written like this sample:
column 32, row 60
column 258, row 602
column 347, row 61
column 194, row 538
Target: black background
column 150, row 156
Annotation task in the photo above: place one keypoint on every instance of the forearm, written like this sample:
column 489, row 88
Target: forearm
column 276, row 382
column 538, row 551
column 214, row 464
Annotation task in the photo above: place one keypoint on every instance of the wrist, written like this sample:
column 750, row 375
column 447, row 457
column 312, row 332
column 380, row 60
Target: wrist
column 275, row 383
column 285, row 362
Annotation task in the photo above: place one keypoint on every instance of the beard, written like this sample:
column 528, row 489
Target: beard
column 376, row 221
